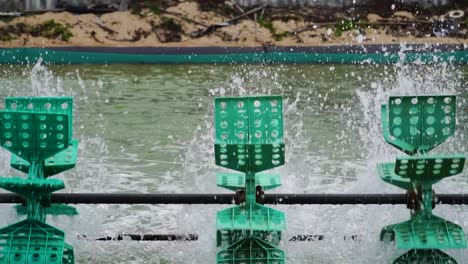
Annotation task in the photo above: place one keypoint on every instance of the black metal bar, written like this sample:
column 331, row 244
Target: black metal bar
column 146, row 237
column 142, row 198
column 194, row 237
column 159, row 198
column 335, row 199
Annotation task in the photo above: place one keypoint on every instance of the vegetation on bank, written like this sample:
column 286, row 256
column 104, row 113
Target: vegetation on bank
column 278, row 36
column 168, row 21
column 397, row 19
column 48, row 29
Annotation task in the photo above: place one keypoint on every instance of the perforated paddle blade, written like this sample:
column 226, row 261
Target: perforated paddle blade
column 249, row 133
column 425, row 231
column 429, row 168
column 56, row 105
column 425, row 256
column 418, row 123
column 31, row 187
column 236, row 181
column 267, row 181
column 252, row 251
column 231, row 181
column 246, row 158
column 33, row 136
column 387, row 173
column 32, row 241
column 257, row 218
column 53, row 209
column 55, row 164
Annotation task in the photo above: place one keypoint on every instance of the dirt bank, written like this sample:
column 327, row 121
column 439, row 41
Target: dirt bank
column 185, row 24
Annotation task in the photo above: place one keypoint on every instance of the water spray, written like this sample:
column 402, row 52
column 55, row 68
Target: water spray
column 249, row 139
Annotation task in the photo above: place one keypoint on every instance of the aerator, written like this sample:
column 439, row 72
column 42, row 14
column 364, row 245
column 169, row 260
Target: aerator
column 416, row 125
column 39, row 133
column 249, row 139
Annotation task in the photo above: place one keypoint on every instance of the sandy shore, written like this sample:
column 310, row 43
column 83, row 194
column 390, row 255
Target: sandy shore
column 149, row 29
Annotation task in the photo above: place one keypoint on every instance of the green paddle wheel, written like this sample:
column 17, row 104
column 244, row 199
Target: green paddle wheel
column 38, row 131
column 249, row 139
column 416, row 125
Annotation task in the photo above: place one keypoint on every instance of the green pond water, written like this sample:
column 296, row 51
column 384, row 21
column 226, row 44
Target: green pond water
column 149, row 128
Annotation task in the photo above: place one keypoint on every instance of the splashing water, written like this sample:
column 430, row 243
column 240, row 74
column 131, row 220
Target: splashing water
column 150, row 129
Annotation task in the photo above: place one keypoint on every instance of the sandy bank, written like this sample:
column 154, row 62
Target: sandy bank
column 121, row 29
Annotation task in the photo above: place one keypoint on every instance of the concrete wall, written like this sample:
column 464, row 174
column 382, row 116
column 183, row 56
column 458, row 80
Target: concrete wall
column 19, row 5
column 88, row 2
column 31, row 5
column 39, row 4
column 11, row 5
column 334, row 3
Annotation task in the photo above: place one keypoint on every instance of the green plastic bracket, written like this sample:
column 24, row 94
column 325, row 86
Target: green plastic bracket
column 249, row 139
column 38, row 131
column 416, row 125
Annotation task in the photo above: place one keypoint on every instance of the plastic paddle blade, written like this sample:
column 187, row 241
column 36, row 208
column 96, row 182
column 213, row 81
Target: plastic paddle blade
column 53, row 105
column 427, row 231
column 231, row 181
column 249, row 133
column 267, row 181
column 31, row 241
column 33, row 136
column 68, row 256
column 249, row 120
column 236, row 181
column 54, row 209
column 429, row 168
column 387, row 173
column 425, row 256
column 399, row 144
column 253, row 158
column 251, row 250
column 423, row 122
column 257, row 218
column 29, row 187
column 60, row 162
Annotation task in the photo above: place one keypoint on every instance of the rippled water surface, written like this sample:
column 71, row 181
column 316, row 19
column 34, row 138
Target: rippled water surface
column 149, row 128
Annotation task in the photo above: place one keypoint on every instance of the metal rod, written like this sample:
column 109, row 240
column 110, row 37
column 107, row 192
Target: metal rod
column 194, row 237
column 160, row 198
column 145, row 237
